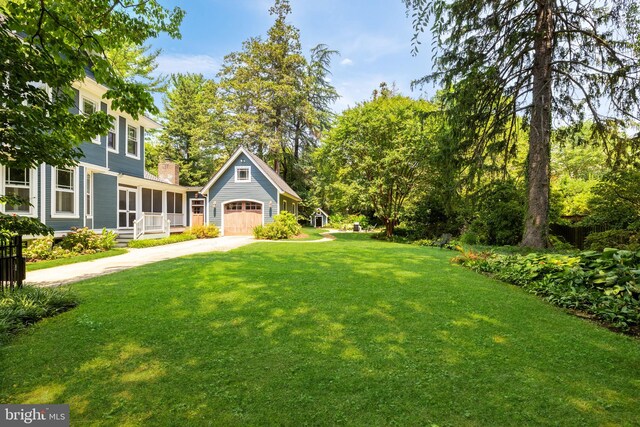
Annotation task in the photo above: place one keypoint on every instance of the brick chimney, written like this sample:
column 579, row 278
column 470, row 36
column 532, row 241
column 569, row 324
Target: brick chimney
column 169, row 172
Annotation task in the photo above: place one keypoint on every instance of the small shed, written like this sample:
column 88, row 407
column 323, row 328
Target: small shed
column 319, row 218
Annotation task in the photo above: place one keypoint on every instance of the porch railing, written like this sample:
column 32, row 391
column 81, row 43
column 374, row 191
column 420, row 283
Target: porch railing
column 150, row 223
column 177, row 219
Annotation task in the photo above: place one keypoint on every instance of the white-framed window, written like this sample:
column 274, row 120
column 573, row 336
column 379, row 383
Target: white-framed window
column 243, row 174
column 133, row 142
column 89, row 107
column 65, row 193
column 88, row 191
column 112, row 136
column 284, row 205
column 19, row 182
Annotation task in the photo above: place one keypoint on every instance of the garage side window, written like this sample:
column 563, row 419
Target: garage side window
column 243, row 174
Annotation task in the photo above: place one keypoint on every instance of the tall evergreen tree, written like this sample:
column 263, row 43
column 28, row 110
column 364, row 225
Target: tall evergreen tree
column 191, row 134
column 548, row 59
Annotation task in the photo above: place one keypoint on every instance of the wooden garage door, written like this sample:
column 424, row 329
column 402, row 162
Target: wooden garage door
column 241, row 217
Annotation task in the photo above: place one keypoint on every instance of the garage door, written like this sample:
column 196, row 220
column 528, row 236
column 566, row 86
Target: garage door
column 241, row 217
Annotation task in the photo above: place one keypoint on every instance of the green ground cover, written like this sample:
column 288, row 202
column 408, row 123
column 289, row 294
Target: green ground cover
column 354, row 331
column 33, row 266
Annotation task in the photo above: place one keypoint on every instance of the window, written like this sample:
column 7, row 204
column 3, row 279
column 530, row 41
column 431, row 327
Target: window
column 18, row 183
column 65, row 192
column 151, row 201
column 88, row 191
column 253, row 206
column 132, row 141
column 233, row 206
column 174, row 202
column 284, row 205
column 88, row 108
column 243, row 174
column 112, row 138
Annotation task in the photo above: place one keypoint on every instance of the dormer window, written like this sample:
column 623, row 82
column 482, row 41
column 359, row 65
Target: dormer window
column 243, row 173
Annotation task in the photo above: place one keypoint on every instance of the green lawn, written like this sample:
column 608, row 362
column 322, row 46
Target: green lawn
column 311, row 233
column 33, row 266
column 354, row 331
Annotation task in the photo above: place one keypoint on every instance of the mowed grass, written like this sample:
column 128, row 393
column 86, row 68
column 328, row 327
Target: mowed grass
column 39, row 265
column 353, row 331
column 311, row 233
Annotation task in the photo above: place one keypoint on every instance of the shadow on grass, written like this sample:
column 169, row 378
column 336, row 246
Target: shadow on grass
column 354, row 331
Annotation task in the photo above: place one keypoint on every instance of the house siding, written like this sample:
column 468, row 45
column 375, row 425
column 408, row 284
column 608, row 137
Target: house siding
column 120, row 162
column 93, row 153
column 105, row 201
column 225, row 189
column 290, row 203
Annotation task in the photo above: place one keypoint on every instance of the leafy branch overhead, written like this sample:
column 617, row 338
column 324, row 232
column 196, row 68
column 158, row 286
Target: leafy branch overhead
column 56, row 44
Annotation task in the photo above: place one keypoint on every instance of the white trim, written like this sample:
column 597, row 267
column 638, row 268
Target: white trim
column 76, row 193
column 137, row 129
column 33, row 192
column 235, row 174
column 237, row 200
column 43, row 193
column 88, row 176
column 127, row 190
column 229, row 162
column 284, row 205
column 277, row 206
column 100, row 169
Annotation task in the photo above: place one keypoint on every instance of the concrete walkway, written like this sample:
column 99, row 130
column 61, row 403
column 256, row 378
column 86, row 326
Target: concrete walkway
column 64, row 274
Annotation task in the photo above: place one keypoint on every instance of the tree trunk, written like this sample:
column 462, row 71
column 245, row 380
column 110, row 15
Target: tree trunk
column 389, row 225
column 538, row 171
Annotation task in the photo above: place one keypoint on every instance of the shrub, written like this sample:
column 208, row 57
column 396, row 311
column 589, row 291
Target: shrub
column 39, row 249
column 174, row 238
column 204, row 231
column 284, row 226
column 84, row 240
column 602, row 284
column 27, row 305
column 622, row 239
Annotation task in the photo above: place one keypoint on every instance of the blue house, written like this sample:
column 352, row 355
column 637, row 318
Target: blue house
column 245, row 192
column 110, row 187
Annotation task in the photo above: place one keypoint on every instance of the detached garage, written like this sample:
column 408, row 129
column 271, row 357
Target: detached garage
column 244, row 193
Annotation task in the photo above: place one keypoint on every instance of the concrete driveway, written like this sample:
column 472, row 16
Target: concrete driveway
column 64, row 274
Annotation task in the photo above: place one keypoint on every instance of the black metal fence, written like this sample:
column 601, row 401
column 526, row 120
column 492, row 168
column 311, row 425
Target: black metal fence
column 12, row 263
column 576, row 235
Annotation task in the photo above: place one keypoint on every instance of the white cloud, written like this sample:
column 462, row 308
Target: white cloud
column 183, row 63
column 346, row 61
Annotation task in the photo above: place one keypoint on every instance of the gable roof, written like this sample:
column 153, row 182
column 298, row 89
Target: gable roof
column 271, row 175
column 320, row 210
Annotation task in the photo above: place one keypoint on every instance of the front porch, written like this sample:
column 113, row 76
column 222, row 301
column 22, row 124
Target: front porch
column 149, row 211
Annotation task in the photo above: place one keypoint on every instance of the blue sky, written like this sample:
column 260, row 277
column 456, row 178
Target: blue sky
column 372, row 36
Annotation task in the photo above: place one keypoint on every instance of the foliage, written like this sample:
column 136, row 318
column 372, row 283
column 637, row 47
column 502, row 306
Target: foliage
column 191, row 136
column 621, row 239
column 617, row 189
column 284, row 226
column 604, row 284
column 547, row 60
column 57, row 42
column 27, row 305
column 79, row 241
column 376, row 154
column 204, row 231
column 138, row 63
column 345, row 222
column 174, row 238
column 85, row 240
column 499, row 214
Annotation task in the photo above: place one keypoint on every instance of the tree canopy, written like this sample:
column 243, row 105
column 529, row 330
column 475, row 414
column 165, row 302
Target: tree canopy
column 376, row 155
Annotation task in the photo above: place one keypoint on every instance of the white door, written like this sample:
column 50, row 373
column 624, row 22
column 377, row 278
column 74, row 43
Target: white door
column 126, row 207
